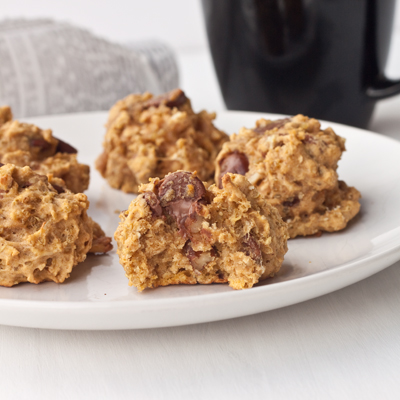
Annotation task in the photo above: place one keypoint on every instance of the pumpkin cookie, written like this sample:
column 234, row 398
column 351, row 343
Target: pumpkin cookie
column 293, row 163
column 179, row 231
column 151, row 136
column 25, row 144
column 45, row 230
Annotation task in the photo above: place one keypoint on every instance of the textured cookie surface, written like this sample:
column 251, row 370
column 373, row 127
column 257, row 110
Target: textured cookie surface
column 293, row 163
column 25, row 144
column 178, row 231
column 45, row 230
column 151, row 136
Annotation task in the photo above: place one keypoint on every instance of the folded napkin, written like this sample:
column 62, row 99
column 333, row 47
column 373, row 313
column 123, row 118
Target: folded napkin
column 49, row 67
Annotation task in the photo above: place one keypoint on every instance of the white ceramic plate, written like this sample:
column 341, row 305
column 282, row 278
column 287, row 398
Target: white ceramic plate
column 97, row 295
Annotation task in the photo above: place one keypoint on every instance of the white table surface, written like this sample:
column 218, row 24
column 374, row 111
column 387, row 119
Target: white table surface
column 345, row 345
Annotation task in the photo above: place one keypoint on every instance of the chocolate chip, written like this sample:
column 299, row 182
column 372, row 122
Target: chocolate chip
column 291, row 202
column 2, row 165
column 235, row 163
column 40, row 143
column 273, row 124
column 172, row 99
column 199, row 259
column 252, row 248
column 180, row 194
column 63, row 147
column 58, row 188
column 154, row 203
column 25, row 185
column 180, row 186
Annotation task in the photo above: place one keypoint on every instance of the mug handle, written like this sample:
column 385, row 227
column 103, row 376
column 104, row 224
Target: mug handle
column 383, row 88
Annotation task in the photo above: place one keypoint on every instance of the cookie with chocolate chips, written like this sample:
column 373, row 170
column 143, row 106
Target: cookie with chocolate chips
column 293, row 163
column 45, row 230
column 25, row 144
column 150, row 136
column 179, row 230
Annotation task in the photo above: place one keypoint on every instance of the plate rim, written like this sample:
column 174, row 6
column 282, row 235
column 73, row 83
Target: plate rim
column 210, row 296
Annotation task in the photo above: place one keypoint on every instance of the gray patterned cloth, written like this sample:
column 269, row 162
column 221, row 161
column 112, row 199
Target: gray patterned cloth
column 49, row 67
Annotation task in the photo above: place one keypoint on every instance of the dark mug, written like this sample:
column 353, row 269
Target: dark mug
column 321, row 58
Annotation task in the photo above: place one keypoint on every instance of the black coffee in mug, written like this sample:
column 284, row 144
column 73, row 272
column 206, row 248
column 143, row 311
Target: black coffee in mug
column 321, row 58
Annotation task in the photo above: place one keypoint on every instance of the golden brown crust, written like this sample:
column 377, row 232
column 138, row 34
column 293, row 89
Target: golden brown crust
column 45, row 230
column 151, row 136
column 293, row 163
column 219, row 235
column 43, row 234
column 25, row 144
column 66, row 167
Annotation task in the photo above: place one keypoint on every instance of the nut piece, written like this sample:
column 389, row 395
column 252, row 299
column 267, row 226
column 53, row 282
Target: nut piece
column 235, row 163
column 252, row 248
column 199, row 259
column 180, row 194
column 174, row 98
column 309, row 139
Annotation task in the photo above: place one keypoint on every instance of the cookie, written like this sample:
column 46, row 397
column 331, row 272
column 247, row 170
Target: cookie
column 45, row 230
column 25, row 144
column 179, row 231
column 293, row 163
column 151, row 136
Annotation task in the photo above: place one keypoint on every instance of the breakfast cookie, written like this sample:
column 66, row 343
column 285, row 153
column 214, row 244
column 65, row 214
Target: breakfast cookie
column 179, row 231
column 151, row 136
column 293, row 163
column 45, row 230
column 25, row 144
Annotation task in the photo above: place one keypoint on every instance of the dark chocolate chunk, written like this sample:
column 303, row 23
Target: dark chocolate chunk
column 25, row 185
column 174, row 98
column 2, row 165
column 63, row 147
column 273, row 124
column 185, row 186
column 252, row 248
column 154, row 203
column 180, row 194
column 235, row 163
